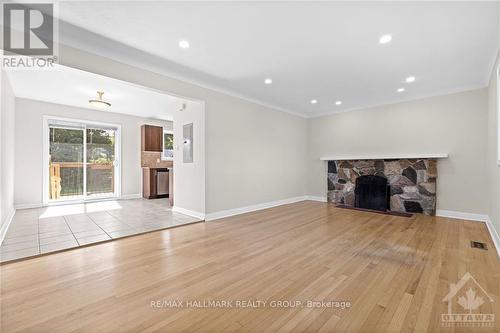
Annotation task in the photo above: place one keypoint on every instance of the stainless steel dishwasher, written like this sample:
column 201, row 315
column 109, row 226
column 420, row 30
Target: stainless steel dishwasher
column 162, row 181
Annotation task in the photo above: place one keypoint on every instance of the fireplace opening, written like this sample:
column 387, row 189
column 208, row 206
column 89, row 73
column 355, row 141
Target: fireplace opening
column 372, row 192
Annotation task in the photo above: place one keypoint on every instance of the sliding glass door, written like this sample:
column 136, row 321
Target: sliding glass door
column 82, row 160
column 100, row 162
column 66, row 158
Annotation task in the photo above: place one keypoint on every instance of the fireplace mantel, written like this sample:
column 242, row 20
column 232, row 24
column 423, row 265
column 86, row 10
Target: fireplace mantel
column 382, row 157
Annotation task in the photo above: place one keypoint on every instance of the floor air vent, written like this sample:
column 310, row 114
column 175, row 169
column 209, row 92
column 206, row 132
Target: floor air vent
column 478, row 245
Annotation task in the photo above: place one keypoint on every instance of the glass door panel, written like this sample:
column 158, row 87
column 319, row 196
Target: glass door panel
column 100, row 162
column 66, row 158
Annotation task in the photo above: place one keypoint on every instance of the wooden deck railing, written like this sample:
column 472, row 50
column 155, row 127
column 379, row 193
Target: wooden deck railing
column 64, row 182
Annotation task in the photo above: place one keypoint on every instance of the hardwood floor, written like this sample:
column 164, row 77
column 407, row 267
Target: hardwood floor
column 394, row 271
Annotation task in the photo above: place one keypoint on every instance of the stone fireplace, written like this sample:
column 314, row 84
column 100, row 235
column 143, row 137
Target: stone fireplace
column 411, row 183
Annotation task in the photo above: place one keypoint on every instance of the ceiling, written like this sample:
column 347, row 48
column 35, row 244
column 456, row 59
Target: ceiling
column 328, row 51
column 73, row 87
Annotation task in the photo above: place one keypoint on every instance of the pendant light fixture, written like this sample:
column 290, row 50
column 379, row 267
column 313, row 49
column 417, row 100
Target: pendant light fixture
column 99, row 102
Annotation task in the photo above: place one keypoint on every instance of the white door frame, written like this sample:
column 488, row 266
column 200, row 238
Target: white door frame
column 45, row 152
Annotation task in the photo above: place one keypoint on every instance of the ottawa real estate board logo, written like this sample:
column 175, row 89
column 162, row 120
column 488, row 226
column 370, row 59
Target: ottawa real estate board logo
column 29, row 35
column 469, row 305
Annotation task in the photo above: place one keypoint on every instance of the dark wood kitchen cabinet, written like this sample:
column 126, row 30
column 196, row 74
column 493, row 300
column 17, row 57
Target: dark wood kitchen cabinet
column 151, row 138
column 155, row 183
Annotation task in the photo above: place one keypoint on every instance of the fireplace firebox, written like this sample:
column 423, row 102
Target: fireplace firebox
column 372, row 192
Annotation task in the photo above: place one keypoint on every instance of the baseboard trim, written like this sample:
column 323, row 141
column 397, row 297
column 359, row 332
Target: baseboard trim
column 192, row 213
column 316, row 198
column 28, row 206
column 494, row 234
column 252, row 208
column 6, row 225
column 130, row 196
column 461, row 215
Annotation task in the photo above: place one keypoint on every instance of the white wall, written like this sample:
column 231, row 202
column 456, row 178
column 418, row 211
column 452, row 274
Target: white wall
column 29, row 146
column 453, row 124
column 189, row 178
column 254, row 154
column 6, row 153
column 493, row 142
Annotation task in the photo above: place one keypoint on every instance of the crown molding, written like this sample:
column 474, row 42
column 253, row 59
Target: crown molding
column 86, row 41
column 404, row 100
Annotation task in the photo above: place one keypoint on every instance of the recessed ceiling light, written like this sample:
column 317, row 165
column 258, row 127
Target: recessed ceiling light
column 401, row 89
column 313, row 101
column 410, row 79
column 338, row 102
column 184, row 44
column 385, row 39
column 268, row 81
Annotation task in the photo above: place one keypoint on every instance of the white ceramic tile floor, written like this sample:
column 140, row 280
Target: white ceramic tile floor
column 44, row 230
column 93, row 239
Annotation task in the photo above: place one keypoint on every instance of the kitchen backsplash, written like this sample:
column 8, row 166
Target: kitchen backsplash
column 150, row 159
